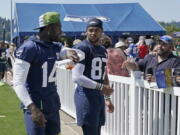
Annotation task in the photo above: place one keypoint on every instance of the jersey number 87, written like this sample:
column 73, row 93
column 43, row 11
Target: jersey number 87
column 97, row 68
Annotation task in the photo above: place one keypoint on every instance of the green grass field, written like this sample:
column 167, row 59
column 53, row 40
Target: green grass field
column 11, row 116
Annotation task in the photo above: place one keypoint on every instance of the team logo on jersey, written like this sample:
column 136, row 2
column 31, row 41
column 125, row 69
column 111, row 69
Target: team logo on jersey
column 58, row 56
column 76, row 18
column 19, row 52
column 3, row 55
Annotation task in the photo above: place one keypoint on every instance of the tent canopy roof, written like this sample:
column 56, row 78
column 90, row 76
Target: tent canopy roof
column 119, row 19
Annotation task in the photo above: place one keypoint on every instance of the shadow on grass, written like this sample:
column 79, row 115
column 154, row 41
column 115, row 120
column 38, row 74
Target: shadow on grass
column 11, row 122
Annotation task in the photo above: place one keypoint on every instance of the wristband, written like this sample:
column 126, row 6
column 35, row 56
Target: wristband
column 99, row 86
column 107, row 97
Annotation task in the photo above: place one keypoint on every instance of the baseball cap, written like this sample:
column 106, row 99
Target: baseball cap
column 166, row 39
column 48, row 18
column 120, row 44
column 6, row 42
column 94, row 22
column 130, row 40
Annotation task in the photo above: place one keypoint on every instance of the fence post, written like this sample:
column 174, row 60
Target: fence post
column 133, row 97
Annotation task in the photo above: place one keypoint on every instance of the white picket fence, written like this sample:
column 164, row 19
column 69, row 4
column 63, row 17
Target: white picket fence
column 140, row 108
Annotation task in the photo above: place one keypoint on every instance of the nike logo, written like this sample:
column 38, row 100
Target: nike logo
column 51, row 58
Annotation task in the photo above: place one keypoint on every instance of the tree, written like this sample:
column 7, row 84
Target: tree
column 7, row 28
column 171, row 27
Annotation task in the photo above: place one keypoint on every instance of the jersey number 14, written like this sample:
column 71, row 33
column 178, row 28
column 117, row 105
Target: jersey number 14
column 51, row 78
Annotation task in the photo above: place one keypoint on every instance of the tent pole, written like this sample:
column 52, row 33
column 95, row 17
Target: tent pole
column 11, row 22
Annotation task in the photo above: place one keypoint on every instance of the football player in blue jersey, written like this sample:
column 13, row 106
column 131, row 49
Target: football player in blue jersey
column 34, row 76
column 93, row 90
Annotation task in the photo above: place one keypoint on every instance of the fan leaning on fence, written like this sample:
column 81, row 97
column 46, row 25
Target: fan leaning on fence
column 164, row 59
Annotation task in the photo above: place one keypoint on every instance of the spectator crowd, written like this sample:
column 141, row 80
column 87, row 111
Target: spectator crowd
column 7, row 60
column 127, row 48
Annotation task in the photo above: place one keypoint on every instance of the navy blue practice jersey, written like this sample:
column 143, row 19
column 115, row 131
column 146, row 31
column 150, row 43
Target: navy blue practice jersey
column 95, row 60
column 2, row 54
column 90, row 104
column 41, row 76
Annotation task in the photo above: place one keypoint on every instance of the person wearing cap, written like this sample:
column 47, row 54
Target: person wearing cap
column 132, row 50
column 122, row 46
column 116, row 56
column 3, row 62
column 34, row 76
column 164, row 59
column 93, row 90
